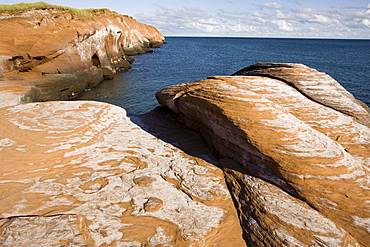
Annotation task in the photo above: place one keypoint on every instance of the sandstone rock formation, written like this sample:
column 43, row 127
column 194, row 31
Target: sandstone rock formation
column 315, row 85
column 293, row 144
column 296, row 150
column 81, row 173
column 49, row 54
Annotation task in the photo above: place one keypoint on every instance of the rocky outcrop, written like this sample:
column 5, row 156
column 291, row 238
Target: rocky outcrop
column 49, row 54
column 296, row 150
column 81, row 173
column 293, row 144
column 315, row 85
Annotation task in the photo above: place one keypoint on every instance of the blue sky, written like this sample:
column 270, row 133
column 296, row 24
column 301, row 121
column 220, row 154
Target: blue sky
column 244, row 18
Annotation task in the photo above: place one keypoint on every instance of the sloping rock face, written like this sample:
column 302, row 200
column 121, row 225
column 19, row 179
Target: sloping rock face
column 81, row 173
column 48, row 54
column 298, row 169
column 315, row 85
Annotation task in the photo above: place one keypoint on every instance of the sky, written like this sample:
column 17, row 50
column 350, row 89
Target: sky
column 242, row 18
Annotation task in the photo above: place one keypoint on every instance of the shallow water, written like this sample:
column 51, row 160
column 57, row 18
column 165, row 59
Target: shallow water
column 185, row 59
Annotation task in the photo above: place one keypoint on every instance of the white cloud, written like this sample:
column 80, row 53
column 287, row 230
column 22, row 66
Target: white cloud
column 183, row 20
column 240, row 28
column 366, row 22
column 277, row 22
column 341, row 6
column 256, row 14
column 272, row 6
column 284, row 25
column 322, row 19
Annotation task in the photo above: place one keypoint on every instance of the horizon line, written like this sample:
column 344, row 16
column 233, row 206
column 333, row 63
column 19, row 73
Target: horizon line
column 262, row 37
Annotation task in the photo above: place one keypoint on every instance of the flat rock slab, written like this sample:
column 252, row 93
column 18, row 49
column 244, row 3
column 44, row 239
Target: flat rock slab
column 81, row 173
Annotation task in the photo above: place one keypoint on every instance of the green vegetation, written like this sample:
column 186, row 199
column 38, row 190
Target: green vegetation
column 81, row 14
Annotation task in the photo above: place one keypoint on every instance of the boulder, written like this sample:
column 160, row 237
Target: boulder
column 289, row 138
column 82, row 173
column 108, row 73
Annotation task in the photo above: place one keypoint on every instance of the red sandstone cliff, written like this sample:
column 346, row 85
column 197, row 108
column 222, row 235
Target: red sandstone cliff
column 49, row 54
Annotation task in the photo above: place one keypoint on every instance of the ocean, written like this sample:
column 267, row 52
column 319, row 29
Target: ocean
column 188, row 59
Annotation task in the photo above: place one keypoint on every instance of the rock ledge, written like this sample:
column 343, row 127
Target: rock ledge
column 81, row 173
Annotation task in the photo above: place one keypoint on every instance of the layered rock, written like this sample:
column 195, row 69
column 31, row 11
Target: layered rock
column 50, row 54
column 315, row 85
column 292, row 148
column 81, row 173
column 272, row 217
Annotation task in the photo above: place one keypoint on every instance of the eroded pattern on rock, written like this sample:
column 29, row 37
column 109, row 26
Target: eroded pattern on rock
column 87, row 165
column 272, row 217
column 313, row 152
column 316, row 85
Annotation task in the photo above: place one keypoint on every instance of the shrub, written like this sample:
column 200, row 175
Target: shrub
column 82, row 14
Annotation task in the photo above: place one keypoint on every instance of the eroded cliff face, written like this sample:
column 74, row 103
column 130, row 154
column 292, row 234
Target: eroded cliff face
column 48, row 54
column 296, row 152
column 82, row 173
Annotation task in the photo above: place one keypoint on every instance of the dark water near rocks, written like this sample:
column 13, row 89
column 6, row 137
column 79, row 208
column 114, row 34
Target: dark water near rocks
column 191, row 59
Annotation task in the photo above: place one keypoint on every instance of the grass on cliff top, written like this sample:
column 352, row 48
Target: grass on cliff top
column 81, row 14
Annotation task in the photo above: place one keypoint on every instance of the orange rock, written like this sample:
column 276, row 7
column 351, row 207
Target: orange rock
column 51, row 42
column 81, row 173
column 272, row 217
column 315, row 85
column 289, row 138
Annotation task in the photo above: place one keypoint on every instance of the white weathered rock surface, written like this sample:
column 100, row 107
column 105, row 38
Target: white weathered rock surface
column 81, row 173
column 311, row 151
column 315, row 85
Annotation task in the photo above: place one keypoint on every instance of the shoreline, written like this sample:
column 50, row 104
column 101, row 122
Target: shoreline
column 58, row 56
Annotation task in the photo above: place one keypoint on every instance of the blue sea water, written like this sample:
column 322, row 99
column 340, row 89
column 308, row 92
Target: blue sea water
column 188, row 59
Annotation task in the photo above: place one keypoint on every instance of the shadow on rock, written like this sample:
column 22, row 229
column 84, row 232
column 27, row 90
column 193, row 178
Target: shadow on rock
column 162, row 123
